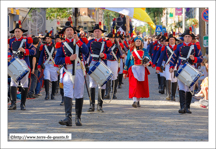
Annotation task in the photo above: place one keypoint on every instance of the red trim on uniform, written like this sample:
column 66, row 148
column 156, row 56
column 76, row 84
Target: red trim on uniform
column 122, row 46
column 188, row 44
column 41, row 48
column 9, row 56
column 198, row 45
column 85, row 40
column 30, row 40
column 58, row 45
column 172, row 67
column 39, row 66
column 79, row 43
column 67, row 60
column 157, row 68
column 55, row 65
column 125, row 71
column 155, row 48
column 26, row 52
column 19, row 39
column 195, row 60
column 163, row 48
column 109, row 43
column 105, row 56
column 153, row 65
column 150, row 62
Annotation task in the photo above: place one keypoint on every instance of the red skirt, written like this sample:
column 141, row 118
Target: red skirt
column 138, row 89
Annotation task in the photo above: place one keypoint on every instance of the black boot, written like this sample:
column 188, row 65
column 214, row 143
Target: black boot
column 108, row 88
column 188, row 102
column 115, row 88
column 162, row 84
column 46, row 84
column 100, row 102
column 78, row 109
column 138, row 103
column 174, row 87
column 13, row 95
column 168, row 88
column 134, row 104
column 68, row 112
column 24, row 93
column 159, row 86
column 182, row 101
column 62, row 94
column 54, row 85
column 120, row 76
column 92, row 102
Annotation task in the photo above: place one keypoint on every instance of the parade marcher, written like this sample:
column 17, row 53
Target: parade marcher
column 25, row 50
column 113, row 63
column 170, row 77
column 70, row 54
column 162, row 79
column 59, row 38
column 124, row 47
column 97, row 52
column 138, row 73
column 46, row 62
column 182, row 55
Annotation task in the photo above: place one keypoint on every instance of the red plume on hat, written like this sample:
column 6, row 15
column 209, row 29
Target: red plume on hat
column 50, row 33
column 69, row 19
column 20, row 24
column 113, row 32
column 190, row 28
column 114, row 19
column 165, row 34
column 173, row 33
column 99, row 24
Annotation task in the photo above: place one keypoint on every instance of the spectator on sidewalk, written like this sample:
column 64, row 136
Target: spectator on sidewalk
column 40, row 74
column 34, row 70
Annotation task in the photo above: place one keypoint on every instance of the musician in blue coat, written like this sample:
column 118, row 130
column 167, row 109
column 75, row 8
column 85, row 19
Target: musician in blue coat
column 70, row 54
column 162, row 79
column 46, row 62
column 181, row 55
column 166, row 54
column 112, row 63
column 98, row 49
column 25, row 50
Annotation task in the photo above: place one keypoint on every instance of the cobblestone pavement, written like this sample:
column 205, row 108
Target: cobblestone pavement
column 156, row 119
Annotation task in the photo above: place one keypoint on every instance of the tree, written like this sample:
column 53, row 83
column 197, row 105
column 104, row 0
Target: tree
column 108, row 17
column 155, row 14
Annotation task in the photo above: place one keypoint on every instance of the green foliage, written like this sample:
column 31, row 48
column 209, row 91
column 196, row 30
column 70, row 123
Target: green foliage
column 52, row 13
column 141, row 29
column 108, row 17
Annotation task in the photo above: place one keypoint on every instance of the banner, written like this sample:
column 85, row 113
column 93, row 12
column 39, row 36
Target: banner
column 178, row 11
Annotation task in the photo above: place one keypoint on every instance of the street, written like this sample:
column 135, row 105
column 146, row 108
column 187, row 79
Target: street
column 156, row 120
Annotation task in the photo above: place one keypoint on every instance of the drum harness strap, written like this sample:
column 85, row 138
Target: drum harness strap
column 113, row 52
column 72, row 78
column 102, row 47
column 170, row 55
column 21, row 44
column 50, row 55
column 191, row 48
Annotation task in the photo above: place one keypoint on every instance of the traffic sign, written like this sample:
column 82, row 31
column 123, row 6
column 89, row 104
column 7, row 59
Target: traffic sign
column 205, row 15
column 164, row 30
column 205, row 41
column 158, row 28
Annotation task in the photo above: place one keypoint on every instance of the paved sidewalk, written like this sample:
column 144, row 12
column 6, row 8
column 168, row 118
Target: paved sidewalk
column 156, row 119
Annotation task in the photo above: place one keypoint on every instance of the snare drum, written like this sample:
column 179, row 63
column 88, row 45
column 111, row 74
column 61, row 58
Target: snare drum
column 100, row 73
column 17, row 69
column 188, row 75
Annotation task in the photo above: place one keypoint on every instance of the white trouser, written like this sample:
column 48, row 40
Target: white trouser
column 50, row 72
column 113, row 65
column 61, row 75
column 92, row 83
column 79, row 82
column 170, row 76
column 24, row 80
column 182, row 86
column 162, row 74
column 121, row 66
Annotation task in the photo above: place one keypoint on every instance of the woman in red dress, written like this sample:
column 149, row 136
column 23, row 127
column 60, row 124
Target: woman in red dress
column 136, row 69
